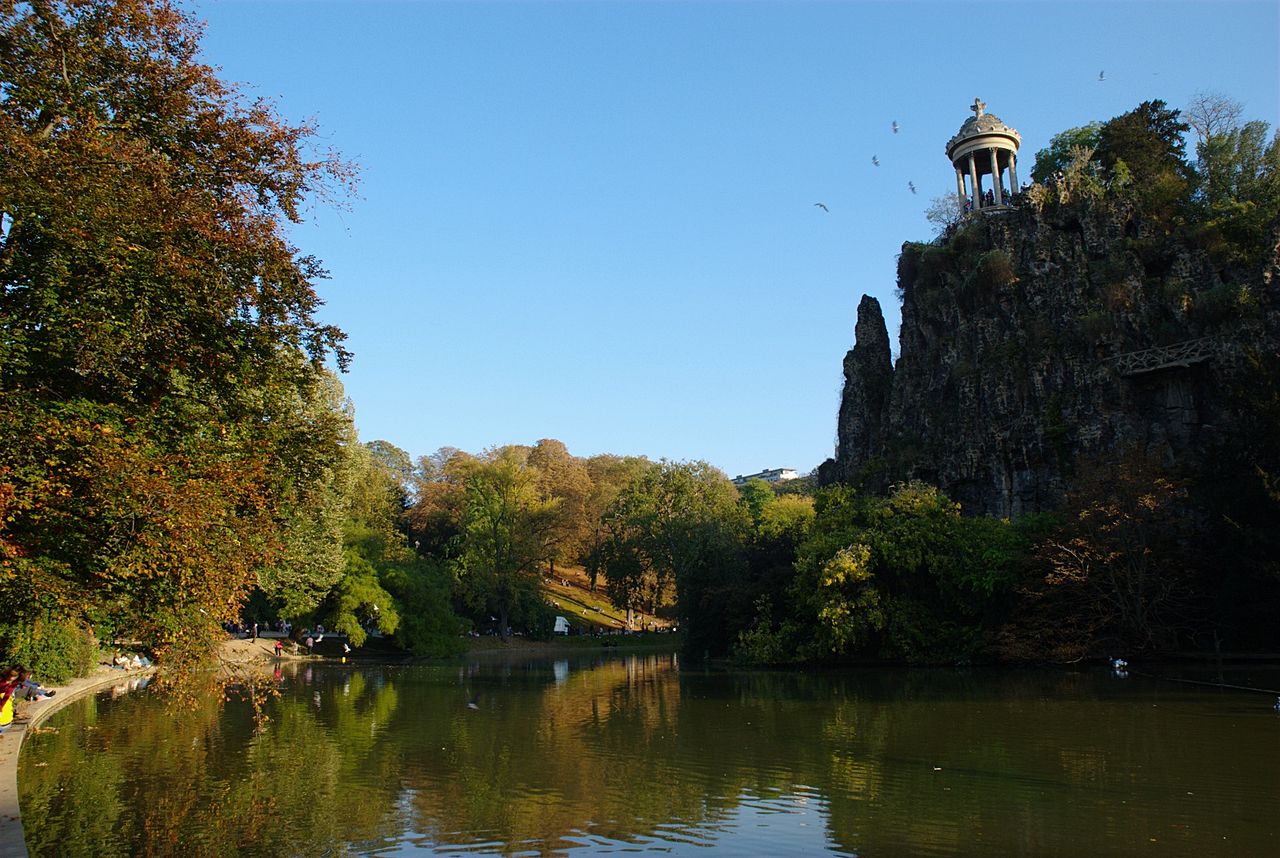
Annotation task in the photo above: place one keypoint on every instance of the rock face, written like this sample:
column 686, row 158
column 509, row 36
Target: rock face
column 1030, row 339
column 868, row 383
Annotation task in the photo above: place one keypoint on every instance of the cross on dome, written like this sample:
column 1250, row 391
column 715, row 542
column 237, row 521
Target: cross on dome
column 978, row 106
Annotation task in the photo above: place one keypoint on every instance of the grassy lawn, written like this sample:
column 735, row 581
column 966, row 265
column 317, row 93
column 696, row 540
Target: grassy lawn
column 569, row 592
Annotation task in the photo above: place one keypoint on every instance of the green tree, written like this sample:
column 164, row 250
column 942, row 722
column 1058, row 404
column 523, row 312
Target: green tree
column 1211, row 115
column 1059, row 154
column 787, row 516
column 1146, row 146
column 386, row 584
column 674, row 531
column 899, row 577
column 754, row 495
column 609, row 475
column 359, row 599
column 1239, row 172
column 315, row 474
column 504, row 540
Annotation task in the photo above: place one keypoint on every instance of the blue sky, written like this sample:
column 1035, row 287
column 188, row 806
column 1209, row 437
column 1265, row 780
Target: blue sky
column 595, row 221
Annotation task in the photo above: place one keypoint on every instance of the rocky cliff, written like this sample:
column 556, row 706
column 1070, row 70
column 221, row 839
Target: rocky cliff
column 1032, row 339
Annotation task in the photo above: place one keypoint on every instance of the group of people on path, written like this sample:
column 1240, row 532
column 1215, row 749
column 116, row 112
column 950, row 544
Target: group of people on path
column 16, row 685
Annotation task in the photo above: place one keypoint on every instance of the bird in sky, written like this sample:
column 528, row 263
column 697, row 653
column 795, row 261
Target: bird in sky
column 895, row 126
column 875, row 160
column 912, row 186
column 1102, row 75
column 822, row 206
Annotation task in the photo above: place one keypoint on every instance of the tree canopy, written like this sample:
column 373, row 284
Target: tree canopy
column 160, row 379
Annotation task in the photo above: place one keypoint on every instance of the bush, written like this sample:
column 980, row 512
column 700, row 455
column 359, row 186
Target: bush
column 995, row 270
column 53, row 651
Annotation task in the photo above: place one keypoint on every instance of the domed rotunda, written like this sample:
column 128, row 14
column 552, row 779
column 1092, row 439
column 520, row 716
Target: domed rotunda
column 984, row 146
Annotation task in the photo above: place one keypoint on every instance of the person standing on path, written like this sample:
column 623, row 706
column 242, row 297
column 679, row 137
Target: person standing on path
column 255, row 630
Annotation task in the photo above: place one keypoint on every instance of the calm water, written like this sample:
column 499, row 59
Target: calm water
column 637, row 755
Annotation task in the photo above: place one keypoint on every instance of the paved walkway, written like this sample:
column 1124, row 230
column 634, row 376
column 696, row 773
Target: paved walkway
column 13, row 843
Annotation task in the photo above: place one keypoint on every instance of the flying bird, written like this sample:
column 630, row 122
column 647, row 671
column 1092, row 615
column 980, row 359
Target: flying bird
column 875, row 160
column 912, row 186
column 895, row 126
column 822, row 206
column 1102, row 75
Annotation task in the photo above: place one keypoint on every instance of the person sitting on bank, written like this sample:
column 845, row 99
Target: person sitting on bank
column 29, row 689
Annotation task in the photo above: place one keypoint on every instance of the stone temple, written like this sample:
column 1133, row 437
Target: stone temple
column 984, row 146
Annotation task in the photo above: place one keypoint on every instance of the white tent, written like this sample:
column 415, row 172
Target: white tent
column 562, row 626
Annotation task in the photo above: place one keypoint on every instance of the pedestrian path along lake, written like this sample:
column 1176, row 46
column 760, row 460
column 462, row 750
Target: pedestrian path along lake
column 600, row 755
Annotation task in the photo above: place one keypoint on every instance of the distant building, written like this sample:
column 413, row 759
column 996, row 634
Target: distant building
column 774, row 475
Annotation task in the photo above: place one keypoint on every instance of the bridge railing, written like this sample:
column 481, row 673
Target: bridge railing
column 1181, row 354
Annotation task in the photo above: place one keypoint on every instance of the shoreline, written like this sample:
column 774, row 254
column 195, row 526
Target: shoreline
column 13, row 842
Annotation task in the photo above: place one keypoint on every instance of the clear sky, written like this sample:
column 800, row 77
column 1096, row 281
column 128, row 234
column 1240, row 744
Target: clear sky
column 595, row 221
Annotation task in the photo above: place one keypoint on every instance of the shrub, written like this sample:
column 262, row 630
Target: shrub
column 995, row 270
column 54, row 651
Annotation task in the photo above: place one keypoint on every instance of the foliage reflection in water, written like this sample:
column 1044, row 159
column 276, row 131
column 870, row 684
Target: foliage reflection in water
column 634, row 754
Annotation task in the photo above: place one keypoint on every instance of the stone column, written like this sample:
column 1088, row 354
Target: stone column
column 995, row 176
column 973, row 184
column 1013, row 172
column 960, row 185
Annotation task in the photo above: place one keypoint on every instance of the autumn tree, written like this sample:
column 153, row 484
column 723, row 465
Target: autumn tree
column 154, row 321
column 1123, row 551
column 563, row 480
column 437, row 514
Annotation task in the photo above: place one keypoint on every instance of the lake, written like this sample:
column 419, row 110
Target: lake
column 647, row 754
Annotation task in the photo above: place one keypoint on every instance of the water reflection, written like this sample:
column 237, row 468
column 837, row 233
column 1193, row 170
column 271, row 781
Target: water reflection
column 601, row 755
